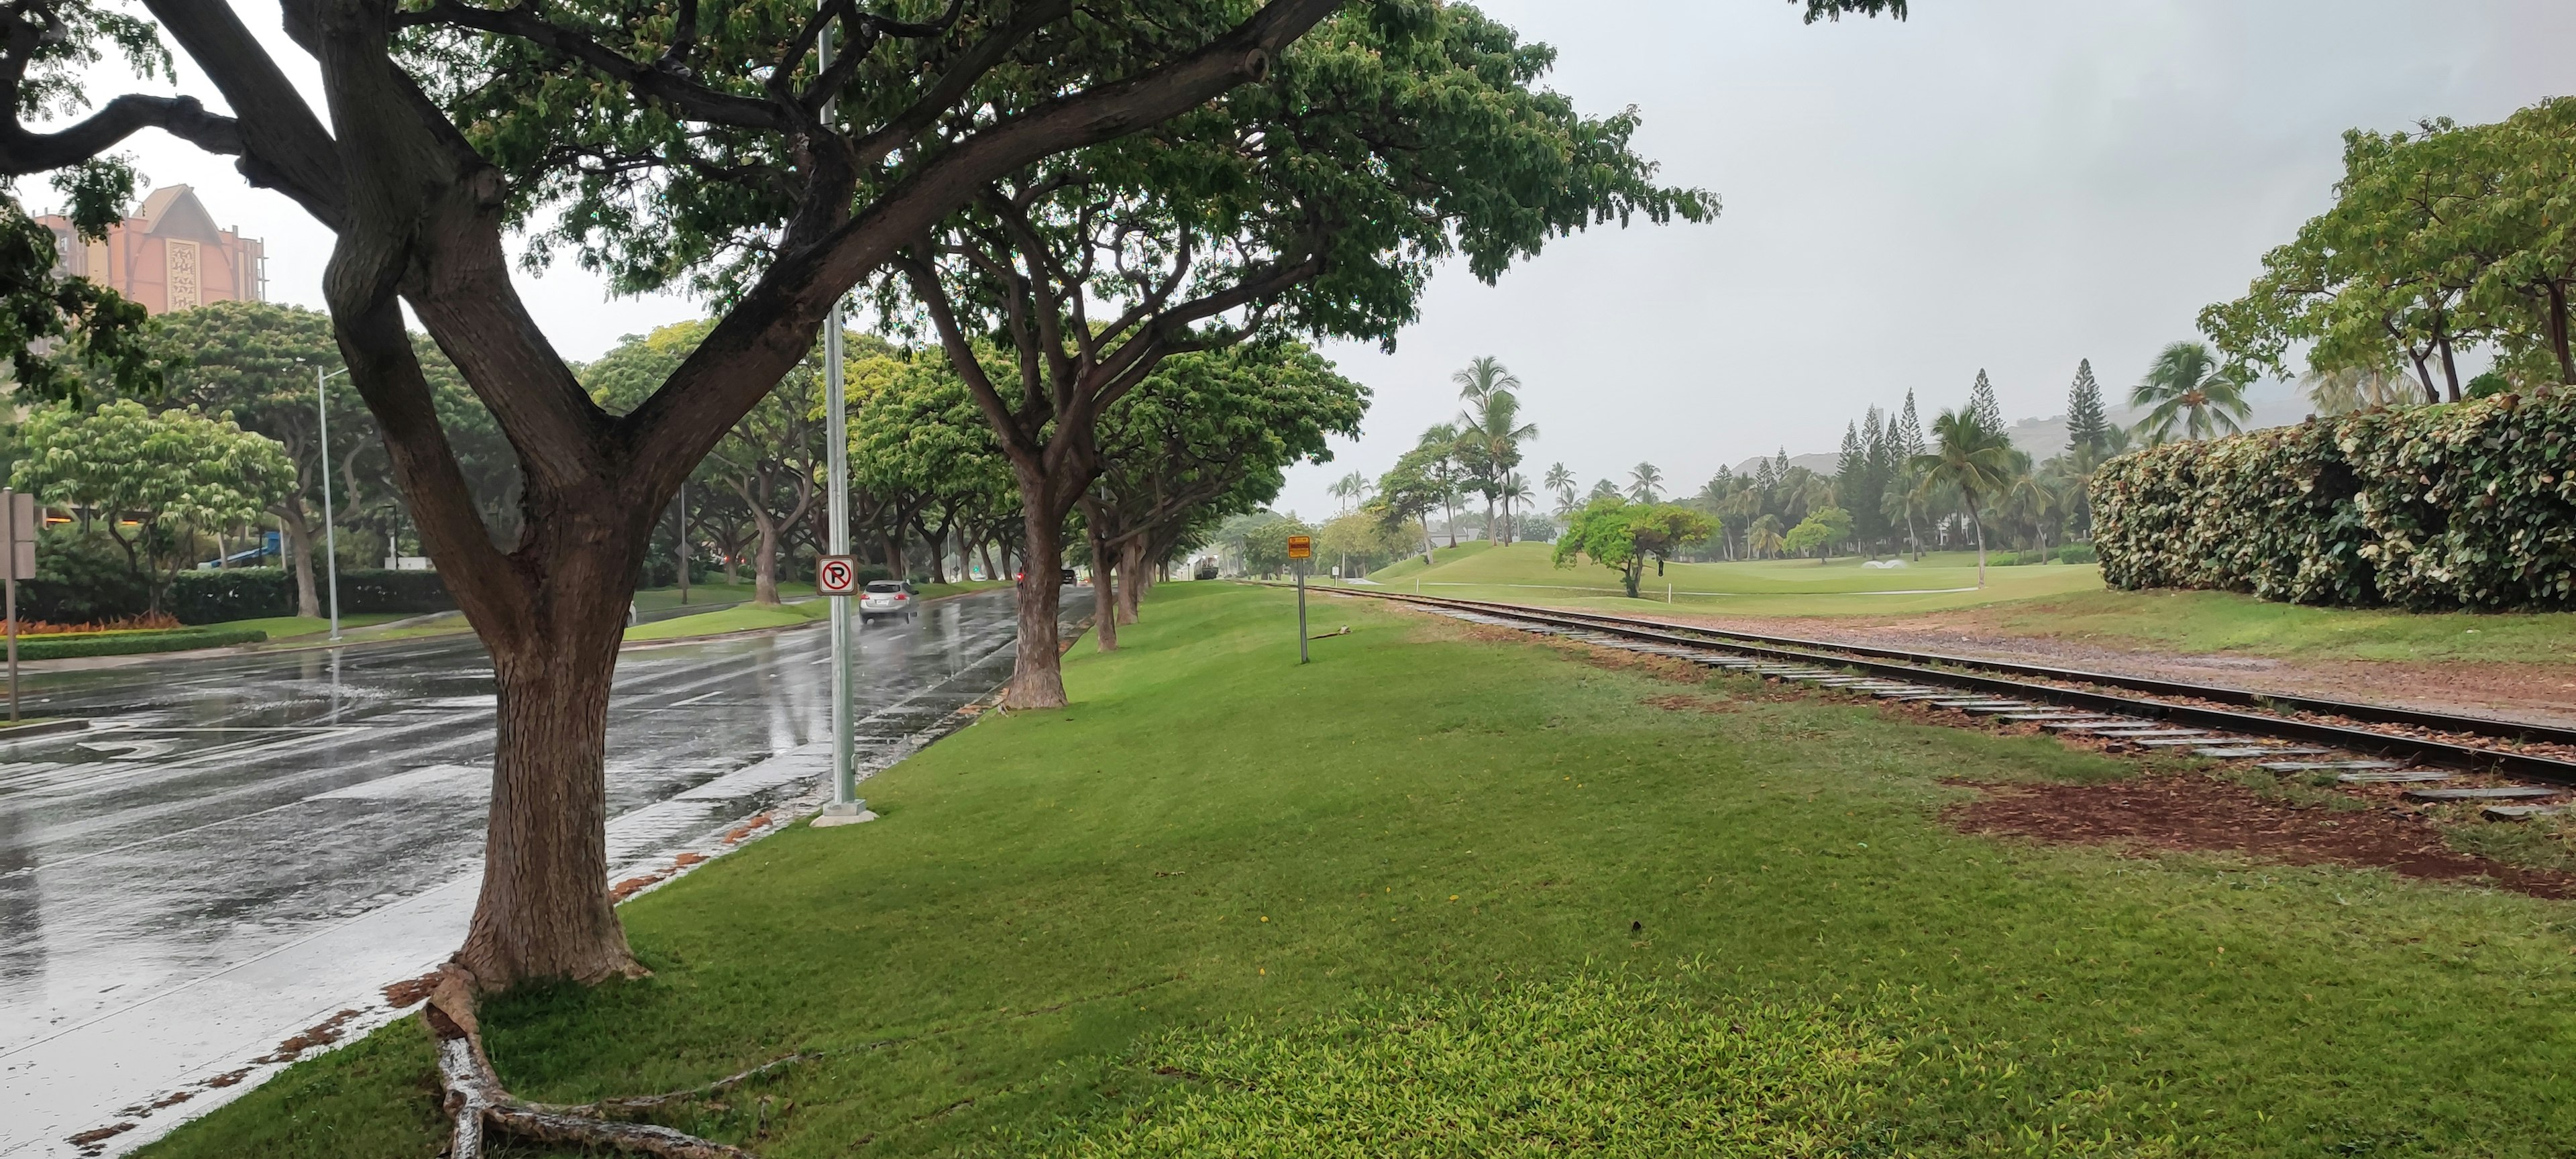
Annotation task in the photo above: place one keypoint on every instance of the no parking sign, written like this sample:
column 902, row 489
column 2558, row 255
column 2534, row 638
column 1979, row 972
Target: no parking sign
column 837, row 575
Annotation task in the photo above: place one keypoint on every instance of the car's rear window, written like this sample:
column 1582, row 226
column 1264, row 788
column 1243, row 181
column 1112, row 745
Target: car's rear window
column 884, row 587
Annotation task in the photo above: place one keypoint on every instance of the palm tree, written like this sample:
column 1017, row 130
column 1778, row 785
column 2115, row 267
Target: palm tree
column 1642, row 481
column 1491, row 433
column 1974, row 461
column 1515, row 488
column 1764, row 539
column 1560, row 481
column 2187, row 385
column 1483, row 379
column 1350, row 489
column 2355, row 388
column 1902, row 502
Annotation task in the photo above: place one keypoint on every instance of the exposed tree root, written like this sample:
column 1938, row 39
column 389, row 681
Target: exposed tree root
column 477, row 1102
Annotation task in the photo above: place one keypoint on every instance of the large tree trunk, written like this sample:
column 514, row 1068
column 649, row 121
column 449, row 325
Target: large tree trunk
column 1104, row 584
column 299, row 547
column 544, row 911
column 2557, row 325
column 2450, row 365
column 764, row 564
column 1131, row 579
column 1037, row 677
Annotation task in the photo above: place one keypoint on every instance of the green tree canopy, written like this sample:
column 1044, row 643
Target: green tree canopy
column 1972, row 461
column 2187, row 388
column 152, row 481
column 1623, row 535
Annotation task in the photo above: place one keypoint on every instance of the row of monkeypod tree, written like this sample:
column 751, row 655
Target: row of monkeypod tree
column 1059, row 199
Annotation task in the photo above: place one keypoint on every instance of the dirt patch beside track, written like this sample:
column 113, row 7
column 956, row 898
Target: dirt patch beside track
column 2191, row 812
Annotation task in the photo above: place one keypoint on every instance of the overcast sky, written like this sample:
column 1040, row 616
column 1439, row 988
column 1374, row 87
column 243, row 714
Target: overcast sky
column 2006, row 185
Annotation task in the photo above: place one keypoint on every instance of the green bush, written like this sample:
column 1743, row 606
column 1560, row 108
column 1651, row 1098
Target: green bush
column 232, row 593
column 2468, row 505
column 2077, row 553
column 215, row 595
column 80, row 579
column 130, row 643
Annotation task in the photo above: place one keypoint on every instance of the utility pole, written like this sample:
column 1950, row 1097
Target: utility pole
column 20, row 530
column 330, row 532
column 846, row 807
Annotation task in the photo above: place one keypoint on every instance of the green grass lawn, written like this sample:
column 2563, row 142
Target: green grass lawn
column 2228, row 622
column 959, row 588
column 1441, row 895
column 1526, row 573
column 664, row 598
column 739, row 618
column 750, row 617
column 293, row 628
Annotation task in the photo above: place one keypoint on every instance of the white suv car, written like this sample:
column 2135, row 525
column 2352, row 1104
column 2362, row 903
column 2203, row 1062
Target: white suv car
column 885, row 598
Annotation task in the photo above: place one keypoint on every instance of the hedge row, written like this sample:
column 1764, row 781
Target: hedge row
column 2468, row 505
column 65, row 593
column 130, row 643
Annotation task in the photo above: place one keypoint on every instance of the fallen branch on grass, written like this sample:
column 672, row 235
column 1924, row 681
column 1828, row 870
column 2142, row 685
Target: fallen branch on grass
column 476, row 1101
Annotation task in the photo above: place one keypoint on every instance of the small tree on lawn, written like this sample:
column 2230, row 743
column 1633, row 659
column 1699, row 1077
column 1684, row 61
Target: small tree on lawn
column 1622, row 536
column 1819, row 532
column 154, row 481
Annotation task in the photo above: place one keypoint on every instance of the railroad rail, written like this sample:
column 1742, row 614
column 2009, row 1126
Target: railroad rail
column 2211, row 718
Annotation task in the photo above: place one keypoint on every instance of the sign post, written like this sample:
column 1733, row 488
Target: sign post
column 846, row 808
column 21, row 520
column 1301, row 549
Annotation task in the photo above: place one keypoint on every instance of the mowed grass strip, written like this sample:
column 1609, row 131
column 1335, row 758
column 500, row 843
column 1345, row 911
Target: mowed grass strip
column 2228, row 622
column 1526, row 573
column 1443, row 875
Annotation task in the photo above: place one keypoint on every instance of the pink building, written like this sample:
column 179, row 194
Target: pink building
column 169, row 256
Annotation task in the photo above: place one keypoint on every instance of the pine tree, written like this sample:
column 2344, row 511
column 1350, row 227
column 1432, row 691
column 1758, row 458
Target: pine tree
column 1909, row 430
column 2087, row 428
column 1981, row 402
column 1851, row 469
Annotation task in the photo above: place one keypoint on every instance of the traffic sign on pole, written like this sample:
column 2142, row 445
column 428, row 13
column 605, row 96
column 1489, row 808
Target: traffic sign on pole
column 837, row 575
column 1301, row 547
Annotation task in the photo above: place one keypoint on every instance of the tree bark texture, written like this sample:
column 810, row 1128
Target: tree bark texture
column 299, row 547
column 1131, row 578
column 1037, row 680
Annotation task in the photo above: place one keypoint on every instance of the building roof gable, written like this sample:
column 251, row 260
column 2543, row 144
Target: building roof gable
column 174, row 211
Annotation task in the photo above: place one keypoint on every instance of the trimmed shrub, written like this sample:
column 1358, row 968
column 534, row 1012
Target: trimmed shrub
column 377, row 590
column 216, row 595
column 2077, row 553
column 232, row 593
column 2467, row 505
column 130, row 643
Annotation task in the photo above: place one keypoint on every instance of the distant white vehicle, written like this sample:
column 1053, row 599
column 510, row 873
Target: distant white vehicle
column 885, row 598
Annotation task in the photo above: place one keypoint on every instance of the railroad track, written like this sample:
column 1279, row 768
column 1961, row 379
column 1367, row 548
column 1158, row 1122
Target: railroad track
column 2284, row 733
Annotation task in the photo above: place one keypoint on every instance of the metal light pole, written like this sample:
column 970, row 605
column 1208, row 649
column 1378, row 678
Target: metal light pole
column 845, row 806
column 330, row 533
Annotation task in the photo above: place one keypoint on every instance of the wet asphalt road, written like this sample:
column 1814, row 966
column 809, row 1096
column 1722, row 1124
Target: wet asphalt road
column 240, row 845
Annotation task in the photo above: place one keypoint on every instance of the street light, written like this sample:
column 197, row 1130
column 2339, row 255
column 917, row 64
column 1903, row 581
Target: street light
column 846, row 808
column 330, row 534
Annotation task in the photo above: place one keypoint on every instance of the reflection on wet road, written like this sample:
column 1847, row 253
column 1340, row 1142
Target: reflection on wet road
column 236, row 847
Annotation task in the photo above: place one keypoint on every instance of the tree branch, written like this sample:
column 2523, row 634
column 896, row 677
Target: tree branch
column 666, row 86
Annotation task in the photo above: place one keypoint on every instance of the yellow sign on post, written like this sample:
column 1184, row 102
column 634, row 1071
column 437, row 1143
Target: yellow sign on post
column 1301, row 547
